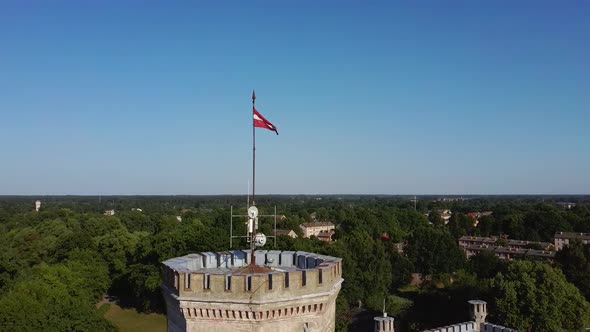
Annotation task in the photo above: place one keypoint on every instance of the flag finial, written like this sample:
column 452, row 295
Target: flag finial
column 253, row 95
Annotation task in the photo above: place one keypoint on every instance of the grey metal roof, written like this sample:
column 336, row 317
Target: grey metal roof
column 227, row 262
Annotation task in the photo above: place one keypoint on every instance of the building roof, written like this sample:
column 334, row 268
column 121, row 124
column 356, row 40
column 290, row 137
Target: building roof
column 506, row 250
column 540, row 253
column 480, row 247
column 516, row 251
column 317, row 224
column 524, row 243
column 235, row 261
column 572, row 235
column 489, row 240
column 327, row 234
column 284, row 231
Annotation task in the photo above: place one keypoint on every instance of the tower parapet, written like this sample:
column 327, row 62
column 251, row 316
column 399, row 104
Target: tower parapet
column 219, row 291
column 478, row 311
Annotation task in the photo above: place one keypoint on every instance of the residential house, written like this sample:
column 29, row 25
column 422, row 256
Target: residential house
column 287, row 232
column 325, row 229
column 562, row 239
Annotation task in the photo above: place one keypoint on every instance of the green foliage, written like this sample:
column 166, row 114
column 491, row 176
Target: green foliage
column 56, row 264
column 402, row 269
column 574, row 261
column 395, row 306
column 486, row 264
column 433, row 251
column 53, row 298
column 367, row 264
column 435, row 218
column 533, row 296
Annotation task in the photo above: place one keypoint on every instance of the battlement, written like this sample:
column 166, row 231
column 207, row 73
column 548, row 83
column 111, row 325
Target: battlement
column 212, row 276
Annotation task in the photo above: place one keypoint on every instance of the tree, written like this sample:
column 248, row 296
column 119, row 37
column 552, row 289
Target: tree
column 574, row 261
column 368, row 269
column 533, row 296
column 435, row 218
column 52, row 298
column 486, row 264
column 434, row 250
column 402, row 269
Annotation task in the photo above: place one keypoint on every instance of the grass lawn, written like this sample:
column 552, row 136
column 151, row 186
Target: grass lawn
column 128, row 320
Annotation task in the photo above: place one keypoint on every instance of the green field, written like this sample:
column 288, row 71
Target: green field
column 129, row 320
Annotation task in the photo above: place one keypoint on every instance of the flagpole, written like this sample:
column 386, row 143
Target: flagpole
column 253, row 235
column 253, row 151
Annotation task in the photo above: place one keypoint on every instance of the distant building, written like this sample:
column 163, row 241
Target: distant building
column 473, row 245
column 37, row 205
column 287, row 232
column 477, row 215
column 444, row 214
column 317, row 229
column 137, row 209
column 528, row 244
column 566, row 205
column 476, row 240
column 179, row 218
column 562, row 239
column 514, row 244
column 399, row 246
column 109, row 212
column 325, row 236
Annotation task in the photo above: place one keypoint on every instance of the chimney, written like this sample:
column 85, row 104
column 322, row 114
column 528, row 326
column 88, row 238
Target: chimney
column 478, row 312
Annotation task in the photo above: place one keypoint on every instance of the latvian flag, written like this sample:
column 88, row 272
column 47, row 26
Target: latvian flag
column 261, row 122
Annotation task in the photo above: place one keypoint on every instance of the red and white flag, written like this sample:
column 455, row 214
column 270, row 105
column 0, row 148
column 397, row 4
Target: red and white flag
column 261, row 122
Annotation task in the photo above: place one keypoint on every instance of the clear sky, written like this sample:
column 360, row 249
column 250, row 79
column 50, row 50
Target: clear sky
column 392, row 97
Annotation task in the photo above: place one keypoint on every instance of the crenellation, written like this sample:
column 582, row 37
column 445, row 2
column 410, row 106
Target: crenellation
column 290, row 283
column 224, row 259
column 217, row 282
column 310, row 263
column 287, row 258
column 260, row 257
column 273, row 258
column 238, row 258
column 248, row 256
column 301, row 259
column 209, row 260
column 217, row 290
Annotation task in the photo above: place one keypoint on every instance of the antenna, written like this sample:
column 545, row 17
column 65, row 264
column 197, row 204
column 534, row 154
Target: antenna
column 252, row 216
column 415, row 200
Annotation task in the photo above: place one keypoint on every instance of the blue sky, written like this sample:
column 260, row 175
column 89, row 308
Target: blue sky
column 416, row 97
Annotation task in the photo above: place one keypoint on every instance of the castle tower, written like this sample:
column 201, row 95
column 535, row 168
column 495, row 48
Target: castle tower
column 223, row 292
column 478, row 312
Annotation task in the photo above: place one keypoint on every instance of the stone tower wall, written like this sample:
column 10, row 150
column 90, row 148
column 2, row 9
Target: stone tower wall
column 300, row 296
